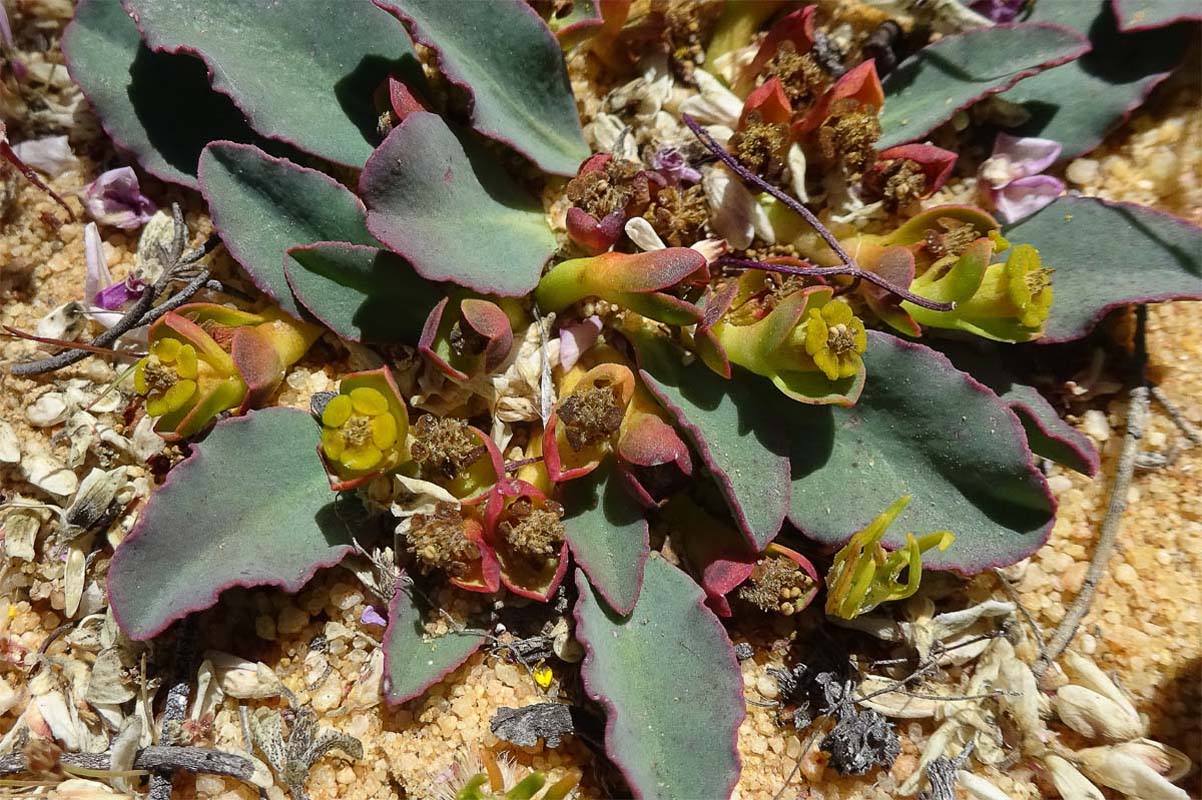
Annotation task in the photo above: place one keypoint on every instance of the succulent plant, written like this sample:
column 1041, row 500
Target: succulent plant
column 719, row 395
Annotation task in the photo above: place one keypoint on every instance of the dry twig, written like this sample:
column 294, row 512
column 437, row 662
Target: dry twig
column 1137, row 417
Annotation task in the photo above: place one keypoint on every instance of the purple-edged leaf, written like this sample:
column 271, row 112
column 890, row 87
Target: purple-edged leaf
column 1048, row 434
column 446, row 205
column 925, row 429
column 742, row 447
column 608, row 535
column 250, row 507
column 413, row 661
column 670, row 684
column 262, row 205
column 362, row 293
column 1078, row 103
column 302, row 74
column 927, row 89
column 1107, row 255
column 159, row 107
column 1142, row 15
column 509, row 62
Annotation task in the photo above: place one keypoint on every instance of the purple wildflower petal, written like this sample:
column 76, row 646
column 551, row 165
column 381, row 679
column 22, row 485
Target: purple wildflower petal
column 1028, row 155
column 51, row 155
column 1025, row 196
column 115, row 296
column 372, row 617
column 98, row 276
column 116, row 199
column 672, row 164
column 998, row 10
column 575, row 339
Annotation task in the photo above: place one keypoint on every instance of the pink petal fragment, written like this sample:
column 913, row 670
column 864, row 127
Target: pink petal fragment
column 372, row 617
column 574, row 340
column 1025, row 196
column 51, row 155
column 116, row 199
column 1028, row 155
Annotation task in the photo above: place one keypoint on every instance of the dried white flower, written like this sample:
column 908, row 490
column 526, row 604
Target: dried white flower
column 795, row 158
column 714, row 104
column 978, row 787
column 1128, row 773
column 735, row 215
column 158, row 232
column 1069, row 781
column 1084, row 672
column 1095, row 715
column 112, row 677
column 21, row 525
column 74, row 577
column 1168, row 762
column 82, row 789
column 643, row 235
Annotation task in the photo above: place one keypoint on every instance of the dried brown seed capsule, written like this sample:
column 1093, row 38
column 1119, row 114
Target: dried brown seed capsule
column 591, row 416
column 444, row 446
column 439, row 540
column 536, row 533
column 776, row 584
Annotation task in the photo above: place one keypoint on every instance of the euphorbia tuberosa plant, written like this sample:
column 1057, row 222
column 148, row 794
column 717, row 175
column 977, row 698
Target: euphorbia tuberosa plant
column 545, row 378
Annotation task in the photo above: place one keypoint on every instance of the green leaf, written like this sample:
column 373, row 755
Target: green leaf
column 608, row 535
column 742, row 447
column 670, row 684
column 1138, row 15
column 304, row 75
column 1078, row 103
column 927, row 89
column 443, row 203
column 413, row 661
column 158, row 107
column 505, row 57
column 1107, row 255
column 250, row 507
column 362, row 293
column 262, row 206
column 1048, row 435
column 925, row 429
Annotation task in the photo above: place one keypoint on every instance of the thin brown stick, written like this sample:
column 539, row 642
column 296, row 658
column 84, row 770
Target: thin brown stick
column 1137, row 417
column 16, row 333
column 1012, row 593
column 1178, row 418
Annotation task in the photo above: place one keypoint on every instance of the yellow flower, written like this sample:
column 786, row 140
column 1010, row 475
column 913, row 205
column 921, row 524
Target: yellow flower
column 359, row 430
column 1029, row 285
column 835, row 339
column 167, row 376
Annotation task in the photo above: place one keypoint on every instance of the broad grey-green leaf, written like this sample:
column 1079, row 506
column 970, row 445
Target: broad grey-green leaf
column 445, row 205
column 303, row 73
column 262, row 205
column 1107, row 255
column 928, row 88
column 743, row 448
column 608, row 535
column 1078, row 103
column 413, row 661
column 922, row 428
column 670, row 684
column 362, row 293
column 157, row 106
column 250, row 507
column 509, row 62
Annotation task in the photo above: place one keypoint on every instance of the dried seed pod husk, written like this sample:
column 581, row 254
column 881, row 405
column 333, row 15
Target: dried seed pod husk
column 245, row 680
column 10, row 445
column 74, row 577
column 895, row 704
column 49, row 475
column 1122, row 770
column 1094, row 715
column 1069, row 781
column 49, row 409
